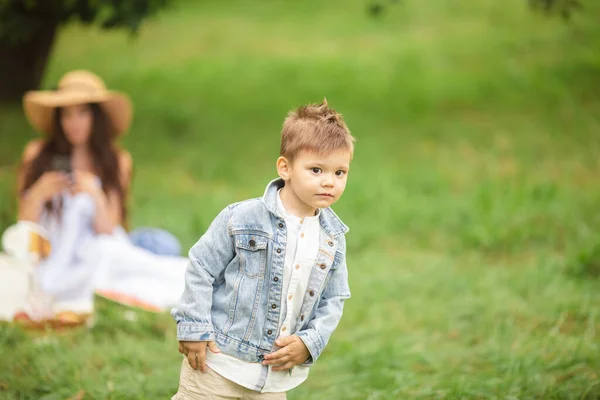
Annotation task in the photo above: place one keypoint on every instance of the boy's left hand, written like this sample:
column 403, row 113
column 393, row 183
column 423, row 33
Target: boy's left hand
column 293, row 352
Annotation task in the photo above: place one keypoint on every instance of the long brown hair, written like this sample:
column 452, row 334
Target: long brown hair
column 104, row 153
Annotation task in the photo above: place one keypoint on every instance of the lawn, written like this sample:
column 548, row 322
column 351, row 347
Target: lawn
column 473, row 199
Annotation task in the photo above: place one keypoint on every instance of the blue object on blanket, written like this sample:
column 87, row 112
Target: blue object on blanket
column 156, row 240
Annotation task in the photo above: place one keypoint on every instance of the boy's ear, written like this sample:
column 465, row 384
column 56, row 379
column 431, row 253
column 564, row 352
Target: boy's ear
column 283, row 168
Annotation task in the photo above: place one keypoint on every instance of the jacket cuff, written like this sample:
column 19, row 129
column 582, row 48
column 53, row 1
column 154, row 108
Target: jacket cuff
column 312, row 341
column 193, row 332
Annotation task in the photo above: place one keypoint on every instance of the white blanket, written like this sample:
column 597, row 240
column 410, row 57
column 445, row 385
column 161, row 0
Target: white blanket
column 13, row 286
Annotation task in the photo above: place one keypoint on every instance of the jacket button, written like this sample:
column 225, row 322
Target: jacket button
column 302, row 317
column 269, row 332
column 252, row 243
column 330, row 243
column 312, row 293
column 280, row 225
column 323, row 266
column 276, row 279
column 278, row 251
column 273, row 306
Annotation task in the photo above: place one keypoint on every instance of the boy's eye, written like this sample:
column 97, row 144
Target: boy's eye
column 316, row 170
column 340, row 172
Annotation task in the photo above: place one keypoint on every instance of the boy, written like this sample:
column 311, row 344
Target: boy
column 266, row 284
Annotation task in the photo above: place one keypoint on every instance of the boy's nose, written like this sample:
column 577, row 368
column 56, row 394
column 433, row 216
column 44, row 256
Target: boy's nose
column 327, row 181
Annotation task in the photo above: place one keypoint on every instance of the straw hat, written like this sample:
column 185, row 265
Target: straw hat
column 77, row 87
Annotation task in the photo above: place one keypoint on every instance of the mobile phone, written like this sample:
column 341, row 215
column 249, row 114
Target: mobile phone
column 62, row 163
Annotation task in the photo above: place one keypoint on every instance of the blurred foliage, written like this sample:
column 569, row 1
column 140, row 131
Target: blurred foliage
column 562, row 7
column 20, row 19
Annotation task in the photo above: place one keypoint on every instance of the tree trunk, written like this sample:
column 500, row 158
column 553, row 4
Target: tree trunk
column 23, row 64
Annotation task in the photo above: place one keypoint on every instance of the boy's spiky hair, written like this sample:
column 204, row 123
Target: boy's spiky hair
column 315, row 128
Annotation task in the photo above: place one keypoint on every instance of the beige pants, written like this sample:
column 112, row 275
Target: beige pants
column 195, row 385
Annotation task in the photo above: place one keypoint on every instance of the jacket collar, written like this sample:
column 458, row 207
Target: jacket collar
column 330, row 222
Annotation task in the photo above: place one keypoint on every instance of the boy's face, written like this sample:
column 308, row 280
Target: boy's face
column 316, row 180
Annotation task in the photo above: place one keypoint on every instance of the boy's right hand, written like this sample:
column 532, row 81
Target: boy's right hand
column 196, row 353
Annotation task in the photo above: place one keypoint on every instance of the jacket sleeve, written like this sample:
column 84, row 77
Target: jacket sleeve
column 208, row 258
column 328, row 313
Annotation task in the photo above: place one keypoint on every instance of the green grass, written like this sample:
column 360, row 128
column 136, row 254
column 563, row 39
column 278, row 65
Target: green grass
column 472, row 200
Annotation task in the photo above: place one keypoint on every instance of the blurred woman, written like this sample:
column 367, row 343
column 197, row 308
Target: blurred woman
column 73, row 185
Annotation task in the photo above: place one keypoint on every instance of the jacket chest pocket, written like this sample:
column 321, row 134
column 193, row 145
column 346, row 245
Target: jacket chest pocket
column 252, row 251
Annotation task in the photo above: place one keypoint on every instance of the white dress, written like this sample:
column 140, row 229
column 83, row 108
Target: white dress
column 82, row 263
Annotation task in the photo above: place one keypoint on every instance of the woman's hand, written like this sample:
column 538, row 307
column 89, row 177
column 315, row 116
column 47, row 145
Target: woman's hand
column 87, row 182
column 48, row 185
column 108, row 207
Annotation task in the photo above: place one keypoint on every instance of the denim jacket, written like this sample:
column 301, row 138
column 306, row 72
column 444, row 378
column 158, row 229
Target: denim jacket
column 233, row 282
